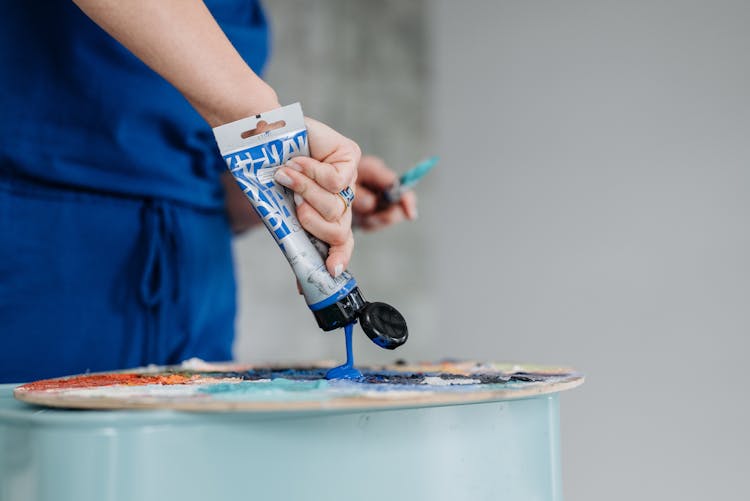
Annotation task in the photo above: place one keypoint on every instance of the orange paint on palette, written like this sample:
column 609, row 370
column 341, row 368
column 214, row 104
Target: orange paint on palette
column 94, row 380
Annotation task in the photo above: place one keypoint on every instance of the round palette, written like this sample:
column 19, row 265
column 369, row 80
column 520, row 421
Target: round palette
column 199, row 386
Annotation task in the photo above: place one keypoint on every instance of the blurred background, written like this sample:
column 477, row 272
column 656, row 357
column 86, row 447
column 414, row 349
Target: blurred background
column 591, row 208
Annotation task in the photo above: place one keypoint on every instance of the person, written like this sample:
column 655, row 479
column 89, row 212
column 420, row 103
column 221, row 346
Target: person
column 116, row 210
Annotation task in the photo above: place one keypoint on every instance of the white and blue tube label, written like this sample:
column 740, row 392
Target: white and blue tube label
column 254, row 148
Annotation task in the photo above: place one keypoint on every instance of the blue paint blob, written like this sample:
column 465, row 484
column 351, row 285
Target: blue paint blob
column 346, row 371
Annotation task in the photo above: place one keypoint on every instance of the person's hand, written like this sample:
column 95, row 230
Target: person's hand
column 374, row 177
column 316, row 182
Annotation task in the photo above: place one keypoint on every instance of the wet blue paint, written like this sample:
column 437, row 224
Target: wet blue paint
column 346, row 371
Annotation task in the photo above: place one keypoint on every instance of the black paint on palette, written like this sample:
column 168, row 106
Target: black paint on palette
column 376, row 377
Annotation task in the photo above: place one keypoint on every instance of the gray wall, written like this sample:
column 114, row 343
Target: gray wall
column 592, row 208
column 361, row 67
column 596, row 189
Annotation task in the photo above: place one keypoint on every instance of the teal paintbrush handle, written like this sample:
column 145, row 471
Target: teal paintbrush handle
column 407, row 181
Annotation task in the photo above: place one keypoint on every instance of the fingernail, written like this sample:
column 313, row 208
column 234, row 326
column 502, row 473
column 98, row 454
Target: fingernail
column 338, row 270
column 298, row 200
column 282, row 178
column 414, row 214
column 294, row 165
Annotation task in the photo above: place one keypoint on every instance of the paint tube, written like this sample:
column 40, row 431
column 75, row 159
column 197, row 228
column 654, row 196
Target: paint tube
column 253, row 159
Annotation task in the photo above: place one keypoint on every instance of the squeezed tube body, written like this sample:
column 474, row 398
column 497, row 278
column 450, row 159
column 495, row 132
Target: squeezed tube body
column 253, row 162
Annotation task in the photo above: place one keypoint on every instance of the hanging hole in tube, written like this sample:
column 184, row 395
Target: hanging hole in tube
column 262, row 127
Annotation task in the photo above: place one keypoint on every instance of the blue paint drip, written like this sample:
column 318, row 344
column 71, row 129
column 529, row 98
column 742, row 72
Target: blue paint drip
column 346, row 371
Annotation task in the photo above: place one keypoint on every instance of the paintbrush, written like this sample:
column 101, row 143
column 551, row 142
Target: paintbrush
column 407, row 181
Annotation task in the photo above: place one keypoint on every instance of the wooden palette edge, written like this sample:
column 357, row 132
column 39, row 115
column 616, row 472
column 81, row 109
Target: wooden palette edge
column 364, row 402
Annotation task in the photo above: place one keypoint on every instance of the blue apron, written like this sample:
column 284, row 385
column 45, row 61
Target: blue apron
column 114, row 244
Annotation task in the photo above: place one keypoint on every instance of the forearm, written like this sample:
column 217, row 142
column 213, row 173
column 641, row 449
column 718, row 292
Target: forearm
column 181, row 41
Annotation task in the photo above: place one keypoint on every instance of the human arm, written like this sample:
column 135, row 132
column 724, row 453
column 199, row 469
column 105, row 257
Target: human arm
column 181, row 41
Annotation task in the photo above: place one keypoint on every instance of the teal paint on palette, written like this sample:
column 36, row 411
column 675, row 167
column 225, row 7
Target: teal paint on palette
column 199, row 386
column 279, row 389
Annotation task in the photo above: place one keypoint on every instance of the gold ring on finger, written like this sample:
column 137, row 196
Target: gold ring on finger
column 347, row 196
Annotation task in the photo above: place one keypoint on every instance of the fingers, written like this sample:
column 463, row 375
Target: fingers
column 393, row 214
column 365, row 201
column 337, row 234
column 372, row 213
column 323, row 214
column 379, row 220
column 316, row 182
column 373, row 178
column 374, row 173
column 330, row 206
column 339, row 257
column 339, row 155
column 408, row 204
column 333, row 178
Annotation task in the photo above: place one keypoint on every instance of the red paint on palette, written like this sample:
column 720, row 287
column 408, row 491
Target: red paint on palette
column 94, row 380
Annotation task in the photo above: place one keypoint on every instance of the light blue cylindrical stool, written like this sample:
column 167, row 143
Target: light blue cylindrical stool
column 498, row 450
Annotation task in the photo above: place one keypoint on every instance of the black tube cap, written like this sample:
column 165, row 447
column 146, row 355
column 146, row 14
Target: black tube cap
column 342, row 312
column 384, row 325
